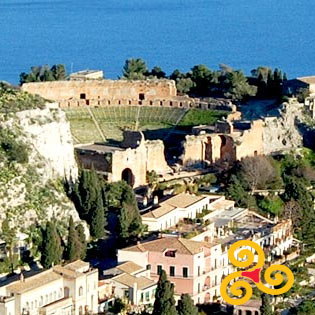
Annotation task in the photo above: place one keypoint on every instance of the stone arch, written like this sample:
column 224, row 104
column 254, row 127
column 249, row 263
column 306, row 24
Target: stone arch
column 128, row 176
column 208, row 150
column 227, row 150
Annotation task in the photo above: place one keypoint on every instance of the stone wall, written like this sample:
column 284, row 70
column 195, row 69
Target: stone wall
column 156, row 157
column 218, row 147
column 250, row 142
column 88, row 91
column 130, row 161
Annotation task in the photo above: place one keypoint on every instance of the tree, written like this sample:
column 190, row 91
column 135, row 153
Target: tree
column 164, row 303
column 51, row 246
column 120, row 201
column 184, row 85
column 87, row 193
column 265, row 308
column 135, row 69
column 82, row 240
column 158, row 72
column 186, row 306
column 258, row 172
column 118, row 307
column 238, row 86
column 307, row 307
column 59, row 72
column 72, row 252
column 97, row 218
column 273, row 205
column 44, row 73
column 201, row 75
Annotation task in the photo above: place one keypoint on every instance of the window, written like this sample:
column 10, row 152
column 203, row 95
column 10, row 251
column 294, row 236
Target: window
column 141, row 96
column 185, row 272
column 82, row 96
column 172, row 271
column 198, row 287
column 147, row 296
column 198, row 271
column 80, row 291
column 170, row 253
column 126, row 294
column 149, row 267
column 159, row 269
column 141, row 298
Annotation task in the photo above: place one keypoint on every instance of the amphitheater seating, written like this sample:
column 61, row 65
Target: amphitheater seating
column 113, row 119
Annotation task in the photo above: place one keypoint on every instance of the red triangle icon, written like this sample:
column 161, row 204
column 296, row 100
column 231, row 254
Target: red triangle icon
column 253, row 275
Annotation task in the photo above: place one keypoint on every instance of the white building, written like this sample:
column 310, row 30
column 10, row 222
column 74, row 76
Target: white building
column 68, row 290
column 132, row 283
column 169, row 212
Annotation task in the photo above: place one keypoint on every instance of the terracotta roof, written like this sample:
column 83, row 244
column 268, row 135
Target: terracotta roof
column 34, row 282
column 68, row 273
column 163, row 209
column 181, row 245
column 182, row 200
column 309, row 80
column 130, row 280
column 129, row 267
column 77, row 265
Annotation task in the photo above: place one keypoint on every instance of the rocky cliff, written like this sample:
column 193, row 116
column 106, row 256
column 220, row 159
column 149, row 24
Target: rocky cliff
column 281, row 131
column 31, row 189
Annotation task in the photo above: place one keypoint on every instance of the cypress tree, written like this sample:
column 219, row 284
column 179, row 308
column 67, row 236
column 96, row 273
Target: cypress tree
column 51, row 246
column 265, row 308
column 164, row 303
column 72, row 252
column 82, row 240
column 186, row 306
column 97, row 219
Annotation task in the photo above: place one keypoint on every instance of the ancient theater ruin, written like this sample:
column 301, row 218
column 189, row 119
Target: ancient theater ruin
column 223, row 143
column 130, row 161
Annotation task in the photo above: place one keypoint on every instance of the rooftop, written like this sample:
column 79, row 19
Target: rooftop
column 78, row 265
column 309, row 79
column 129, row 280
column 99, row 148
column 182, row 200
column 129, row 267
column 85, row 72
column 41, row 279
column 181, row 245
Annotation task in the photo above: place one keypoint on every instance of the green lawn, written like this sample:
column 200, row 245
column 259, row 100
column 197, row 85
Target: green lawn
column 195, row 117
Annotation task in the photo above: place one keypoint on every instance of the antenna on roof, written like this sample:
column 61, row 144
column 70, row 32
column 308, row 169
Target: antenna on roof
column 71, row 67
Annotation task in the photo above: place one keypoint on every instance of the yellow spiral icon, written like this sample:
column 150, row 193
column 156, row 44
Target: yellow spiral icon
column 240, row 291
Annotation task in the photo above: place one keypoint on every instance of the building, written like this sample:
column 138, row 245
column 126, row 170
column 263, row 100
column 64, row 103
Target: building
column 87, row 75
column 194, row 267
column 62, row 290
column 132, row 282
column 130, row 161
column 293, row 87
column 174, row 209
column 223, row 144
column 81, row 92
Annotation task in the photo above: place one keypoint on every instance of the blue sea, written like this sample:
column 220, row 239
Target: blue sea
column 102, row 34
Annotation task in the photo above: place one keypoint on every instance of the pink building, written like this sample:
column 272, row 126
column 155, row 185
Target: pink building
column 194, row 267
